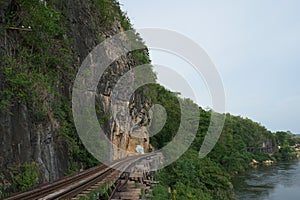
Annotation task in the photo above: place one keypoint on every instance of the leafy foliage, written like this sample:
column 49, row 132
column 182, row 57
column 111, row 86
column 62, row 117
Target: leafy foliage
column 39, row 71
column 286, row 140
column 209, row 178
column 42, row 62
column 40, row 68
column 25, row 176
column 100, row 193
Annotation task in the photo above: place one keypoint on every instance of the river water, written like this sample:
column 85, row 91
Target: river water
column 280, row 181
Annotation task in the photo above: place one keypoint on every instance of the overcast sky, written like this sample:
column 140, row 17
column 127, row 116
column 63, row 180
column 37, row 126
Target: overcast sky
column 255, row 45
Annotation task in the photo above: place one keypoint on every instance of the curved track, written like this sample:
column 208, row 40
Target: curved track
column 70, row 186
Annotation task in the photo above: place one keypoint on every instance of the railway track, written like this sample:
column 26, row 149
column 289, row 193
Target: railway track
column 71, row 186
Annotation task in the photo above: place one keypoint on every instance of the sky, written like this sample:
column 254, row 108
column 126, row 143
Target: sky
column 255, row 46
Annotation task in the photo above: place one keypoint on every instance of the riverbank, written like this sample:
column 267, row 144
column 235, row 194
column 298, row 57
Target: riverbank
column 278, row 181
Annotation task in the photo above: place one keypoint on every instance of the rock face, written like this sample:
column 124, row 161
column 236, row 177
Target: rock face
column 125, row 130
column 119, row 130
column 23, row 139
column 128, row 136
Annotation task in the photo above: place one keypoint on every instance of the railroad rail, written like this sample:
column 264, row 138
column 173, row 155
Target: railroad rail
column 70, row 187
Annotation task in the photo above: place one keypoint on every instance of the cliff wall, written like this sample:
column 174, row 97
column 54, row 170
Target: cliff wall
column 42, row 46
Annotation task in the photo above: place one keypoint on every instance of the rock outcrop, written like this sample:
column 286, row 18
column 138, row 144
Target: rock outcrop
column 25, row 139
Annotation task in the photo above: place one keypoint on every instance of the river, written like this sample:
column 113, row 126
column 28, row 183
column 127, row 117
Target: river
column 280, row 181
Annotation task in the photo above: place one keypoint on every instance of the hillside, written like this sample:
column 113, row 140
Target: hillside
column 44, row 45
column 241, row 141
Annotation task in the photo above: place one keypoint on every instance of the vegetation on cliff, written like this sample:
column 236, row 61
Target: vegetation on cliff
column 38, row 66
column 40, row 55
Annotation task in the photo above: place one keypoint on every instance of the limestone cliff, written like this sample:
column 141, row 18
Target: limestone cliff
column 42, row 46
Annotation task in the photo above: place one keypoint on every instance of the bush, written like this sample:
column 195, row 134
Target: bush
column 25, row 176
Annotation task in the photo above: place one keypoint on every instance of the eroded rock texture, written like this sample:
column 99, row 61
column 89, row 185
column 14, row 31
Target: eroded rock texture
column 24, row 139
